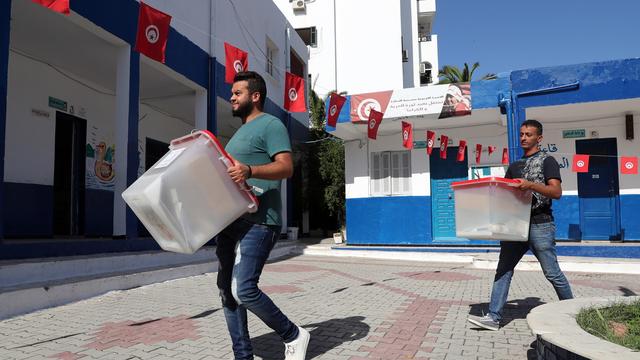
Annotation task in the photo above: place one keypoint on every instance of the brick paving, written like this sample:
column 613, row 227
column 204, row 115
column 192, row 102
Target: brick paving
column 354, row 309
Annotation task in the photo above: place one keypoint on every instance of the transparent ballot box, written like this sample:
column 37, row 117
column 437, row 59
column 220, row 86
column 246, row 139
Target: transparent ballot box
column 492, row 209
column 187, row 197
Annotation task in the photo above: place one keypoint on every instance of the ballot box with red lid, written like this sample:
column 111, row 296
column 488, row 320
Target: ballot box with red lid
column 187, row 197
column 492, row 208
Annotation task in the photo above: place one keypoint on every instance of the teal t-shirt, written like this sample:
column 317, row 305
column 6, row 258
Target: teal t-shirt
column 256, row 143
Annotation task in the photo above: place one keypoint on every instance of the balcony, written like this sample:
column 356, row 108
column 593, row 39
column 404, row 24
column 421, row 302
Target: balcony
column 426, row 6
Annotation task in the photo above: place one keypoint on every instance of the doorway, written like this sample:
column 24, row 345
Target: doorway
column 599, row 191
column 443, row 173
column 69, row 175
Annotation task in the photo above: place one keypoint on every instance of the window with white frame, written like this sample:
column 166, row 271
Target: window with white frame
column 271, row 57
column 390, row 173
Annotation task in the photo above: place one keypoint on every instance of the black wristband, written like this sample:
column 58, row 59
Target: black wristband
column 250, row 172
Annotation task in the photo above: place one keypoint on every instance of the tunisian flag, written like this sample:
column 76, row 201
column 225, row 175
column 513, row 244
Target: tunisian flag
column 462, row 150
column 61, row 6
column 444, row 139
column 478, row 153
column 375, row 118
column 335, row 105
column 431, row 139
column 491, row 149
column 505, row 156
column 580, row 163
column 629, row 165
column 236, row 61
column 294, row 93
column 407, row 135
column 153, row 32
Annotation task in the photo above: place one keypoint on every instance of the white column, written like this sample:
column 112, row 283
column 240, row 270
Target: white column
column 201, row 109
column 121, row 137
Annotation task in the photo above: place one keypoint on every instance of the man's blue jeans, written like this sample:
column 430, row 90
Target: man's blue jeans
column 242, row 249
column 542, row 244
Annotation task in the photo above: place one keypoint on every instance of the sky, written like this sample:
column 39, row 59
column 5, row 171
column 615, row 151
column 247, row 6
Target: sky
column 505, row 35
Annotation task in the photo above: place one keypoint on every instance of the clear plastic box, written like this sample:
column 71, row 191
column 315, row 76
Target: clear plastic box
column 492, row 209
column 187, row 197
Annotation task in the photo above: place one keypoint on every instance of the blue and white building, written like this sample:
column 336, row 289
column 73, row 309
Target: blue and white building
column 399, row 196
column 82, row 114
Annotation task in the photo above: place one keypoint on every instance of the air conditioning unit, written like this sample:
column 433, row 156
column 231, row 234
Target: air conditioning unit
column 298, row 5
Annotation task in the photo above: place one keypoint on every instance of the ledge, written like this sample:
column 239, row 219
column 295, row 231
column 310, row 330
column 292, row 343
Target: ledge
column 560, row 337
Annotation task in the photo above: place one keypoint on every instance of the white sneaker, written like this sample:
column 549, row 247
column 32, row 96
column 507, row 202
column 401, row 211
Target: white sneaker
column 297, row 349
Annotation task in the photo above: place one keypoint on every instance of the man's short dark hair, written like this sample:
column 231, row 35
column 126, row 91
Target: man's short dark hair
column 533, row 123
column 255, row 84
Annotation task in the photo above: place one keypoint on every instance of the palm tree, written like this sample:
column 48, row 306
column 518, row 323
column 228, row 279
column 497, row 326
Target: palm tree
column 451, row 74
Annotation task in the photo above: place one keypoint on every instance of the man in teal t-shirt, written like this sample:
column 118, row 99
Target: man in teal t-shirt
column 262, row 157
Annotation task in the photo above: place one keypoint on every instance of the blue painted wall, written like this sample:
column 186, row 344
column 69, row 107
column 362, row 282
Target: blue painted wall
column 98, row 212
column 406, row 220
column 28, row 210
column 389, row 220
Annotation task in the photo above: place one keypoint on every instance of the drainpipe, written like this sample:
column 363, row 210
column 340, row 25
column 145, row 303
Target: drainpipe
column 515, row 114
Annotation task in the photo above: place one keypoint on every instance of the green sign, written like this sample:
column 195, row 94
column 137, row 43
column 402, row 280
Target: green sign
column 575, row 133
column 419, row 144
column 57, row 103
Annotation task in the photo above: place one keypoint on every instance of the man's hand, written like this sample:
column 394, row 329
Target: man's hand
column 524, row 184
column 239, row 172
column 552, row 189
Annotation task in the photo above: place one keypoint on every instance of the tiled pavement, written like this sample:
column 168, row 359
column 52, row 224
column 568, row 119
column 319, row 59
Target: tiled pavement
column 354, row 309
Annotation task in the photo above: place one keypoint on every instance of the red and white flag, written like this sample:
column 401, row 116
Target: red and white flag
column 478, row 153
column 236, row 61
column 431, row 139
column 444, row 139
column 335, row 106
column 580, row 163
column 462, row 150
column 375, row 118
column 294, row 93
column 491, row 149
column 61, row 6
column 153, row 32
column 629, row 165
column 505, row 156
column 407, row 135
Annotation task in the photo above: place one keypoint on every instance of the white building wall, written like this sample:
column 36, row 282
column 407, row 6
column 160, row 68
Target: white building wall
column 368, row 34
column 32, row 137
column 610, row 127
column 357, row 158
column 248, row 27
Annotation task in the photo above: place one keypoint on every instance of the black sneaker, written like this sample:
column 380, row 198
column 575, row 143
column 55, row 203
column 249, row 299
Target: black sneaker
column 485, row 322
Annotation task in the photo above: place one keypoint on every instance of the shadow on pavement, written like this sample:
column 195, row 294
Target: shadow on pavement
column 514, row 309
column 532, row 353
column 325, row 336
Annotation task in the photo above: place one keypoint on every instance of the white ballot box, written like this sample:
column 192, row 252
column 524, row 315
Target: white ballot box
column 492, row 209
column 187, row 197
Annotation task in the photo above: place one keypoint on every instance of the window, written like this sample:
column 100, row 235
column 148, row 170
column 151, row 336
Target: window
column 391, row 173
column 272, row 57
column 309, row 36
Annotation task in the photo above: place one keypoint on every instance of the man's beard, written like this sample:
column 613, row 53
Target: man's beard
column 243, row 110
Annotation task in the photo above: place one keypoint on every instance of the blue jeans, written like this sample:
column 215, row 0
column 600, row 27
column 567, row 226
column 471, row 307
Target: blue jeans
column 543, row 245
column 242, row 249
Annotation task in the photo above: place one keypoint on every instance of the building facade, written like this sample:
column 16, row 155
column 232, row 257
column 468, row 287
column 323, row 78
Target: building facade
column 83, row 114
column 360, row 46
column 400, row 196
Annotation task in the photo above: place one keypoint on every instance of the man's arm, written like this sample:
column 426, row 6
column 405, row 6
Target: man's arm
column 552, row 190
column 280, row 168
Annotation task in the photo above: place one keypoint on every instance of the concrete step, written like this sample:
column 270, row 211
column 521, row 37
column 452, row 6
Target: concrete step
column 39, row 284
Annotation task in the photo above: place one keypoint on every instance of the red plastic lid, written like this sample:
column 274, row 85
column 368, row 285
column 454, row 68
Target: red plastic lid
column 490, row 179
column 194, row 135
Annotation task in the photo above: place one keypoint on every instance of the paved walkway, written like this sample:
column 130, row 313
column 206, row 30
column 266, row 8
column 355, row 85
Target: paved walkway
column 354, row 309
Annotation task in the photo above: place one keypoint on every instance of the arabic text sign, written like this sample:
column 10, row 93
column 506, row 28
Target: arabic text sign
column 575, row 133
